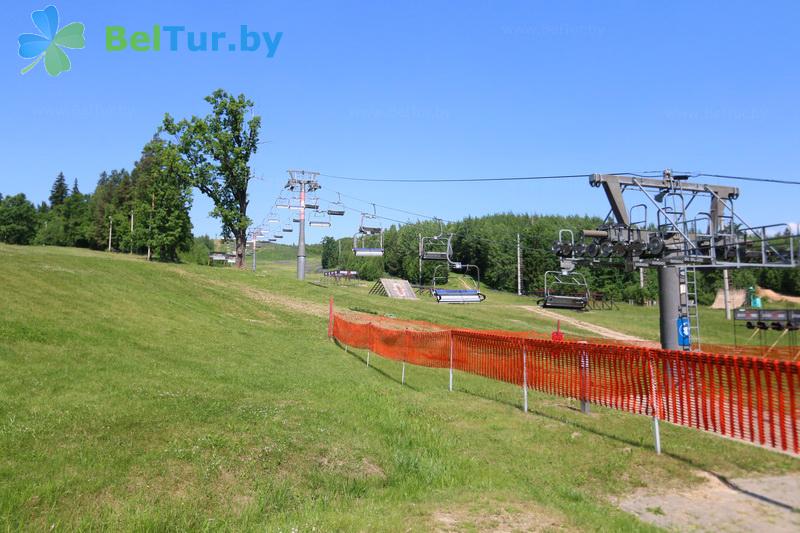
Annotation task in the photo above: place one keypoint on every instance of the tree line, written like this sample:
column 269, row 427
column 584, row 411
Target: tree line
column 490, row 243
column 146, row 210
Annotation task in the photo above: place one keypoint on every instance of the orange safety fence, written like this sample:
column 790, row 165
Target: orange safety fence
column 746, row 398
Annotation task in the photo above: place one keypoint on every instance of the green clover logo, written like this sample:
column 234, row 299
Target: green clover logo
column 48, row 44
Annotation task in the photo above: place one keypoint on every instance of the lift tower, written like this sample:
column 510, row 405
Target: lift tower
column 302, row 181
column 695, row 227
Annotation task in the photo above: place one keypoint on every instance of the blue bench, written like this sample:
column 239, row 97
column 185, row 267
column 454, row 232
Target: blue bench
column 458, row 296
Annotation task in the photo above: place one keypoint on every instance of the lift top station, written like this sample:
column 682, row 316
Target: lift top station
column 694, row 227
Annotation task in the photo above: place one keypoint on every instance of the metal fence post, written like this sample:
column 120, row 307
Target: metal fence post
column 405, row 356
column 524, row 378
column 330, row 318
column 451, row 360
column 656, row 403
column 584, row 373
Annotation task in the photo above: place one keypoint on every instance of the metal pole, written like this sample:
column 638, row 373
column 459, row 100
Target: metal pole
column 369, row 340
column 419, row 280
column 131, row 231
column 657, row 435
column 405, row 355
column 584, row 380
column 254, row 251
column 725, row 294
column 655, row 402
column 301, row 241
column 669, row 306
column 451, row 361
column 641, row 278
column 519, row 267
column 669, row 285
column 330, row 318
column 524, row 378
column 150, row 236
column 110, row 225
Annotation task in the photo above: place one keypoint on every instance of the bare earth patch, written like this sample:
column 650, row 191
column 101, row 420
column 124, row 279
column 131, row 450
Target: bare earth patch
column 608, row 333
column 743, row 505
column 497, row 517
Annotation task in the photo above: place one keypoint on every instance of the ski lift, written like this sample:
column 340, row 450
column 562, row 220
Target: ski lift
column 312, row 202
column 336, row 209
column 369, row 226
column 287, row 228
column 272, row 218
column 459, row 296
column 436, row 248
column 319, row 220
column 565, row 290
column 282, row 202
column 278, row 236
column 369, row 223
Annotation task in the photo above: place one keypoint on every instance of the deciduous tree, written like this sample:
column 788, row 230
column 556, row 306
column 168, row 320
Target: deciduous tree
column 17, row 220
column 216, row 150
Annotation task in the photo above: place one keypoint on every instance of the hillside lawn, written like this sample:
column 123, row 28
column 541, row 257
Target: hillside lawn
column 174, row 397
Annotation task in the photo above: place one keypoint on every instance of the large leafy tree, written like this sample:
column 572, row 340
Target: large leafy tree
column 330, row 252
column 17, row 220
column 217, row 150
column 162, row 199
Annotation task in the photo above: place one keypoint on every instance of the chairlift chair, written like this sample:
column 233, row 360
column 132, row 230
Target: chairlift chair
column 459, row 296
column 287, row 228
column 336, row 209
column 565, row 290
column 369, row 226
column 319, row 220
column 436, row 248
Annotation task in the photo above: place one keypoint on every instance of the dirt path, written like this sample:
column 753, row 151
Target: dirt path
column 597, row 330
column 777, row 297
column 272, row 299
column 740, row 505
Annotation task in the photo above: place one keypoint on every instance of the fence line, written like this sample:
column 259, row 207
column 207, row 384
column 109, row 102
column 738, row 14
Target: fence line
column 745, row 398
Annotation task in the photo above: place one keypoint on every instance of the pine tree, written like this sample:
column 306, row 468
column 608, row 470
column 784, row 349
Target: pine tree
column 76, row 218
column 59, row 191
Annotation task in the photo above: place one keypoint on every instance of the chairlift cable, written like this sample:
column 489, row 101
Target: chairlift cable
column 451, row 180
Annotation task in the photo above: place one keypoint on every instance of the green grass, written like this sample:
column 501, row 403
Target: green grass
column 284, row 252
column 170, row 397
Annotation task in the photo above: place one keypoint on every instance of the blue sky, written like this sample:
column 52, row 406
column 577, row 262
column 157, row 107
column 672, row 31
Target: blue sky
column 431, row 89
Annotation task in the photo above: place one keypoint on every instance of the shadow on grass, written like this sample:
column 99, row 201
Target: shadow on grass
column 355, row 355
column 589, row 429
column 578, row 425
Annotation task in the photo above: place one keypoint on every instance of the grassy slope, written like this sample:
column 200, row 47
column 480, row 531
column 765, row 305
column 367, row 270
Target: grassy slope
column 138, row 395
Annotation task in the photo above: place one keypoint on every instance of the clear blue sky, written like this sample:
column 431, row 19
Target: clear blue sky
column 431, row 89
